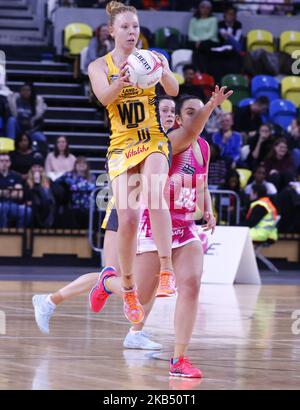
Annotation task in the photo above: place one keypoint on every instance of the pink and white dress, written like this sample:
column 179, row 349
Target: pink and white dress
column 186, row 179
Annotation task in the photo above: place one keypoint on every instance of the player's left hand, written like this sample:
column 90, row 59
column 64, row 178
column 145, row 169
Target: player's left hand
column 219, row 96
column 210, row 222
column 164, row 62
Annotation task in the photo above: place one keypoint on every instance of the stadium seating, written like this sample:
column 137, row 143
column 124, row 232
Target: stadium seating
column 179, row 58
column 265, row 85
column 290, row 89
column 226, row 106
column 143, row 42
column 244, row 175
column 148, row 35
column 83, row 55
column 179, row 78
column 289, row 41
column 163, row 38
column 162, row 51
column 206, row 81
column 246, row 101
column 76, row 37
column 260, row 39
column 282, row 112
column 6, row 144
column 239, row 84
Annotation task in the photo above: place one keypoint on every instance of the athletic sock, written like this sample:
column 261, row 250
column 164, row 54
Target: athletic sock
column 105, row 288
column 48, row 300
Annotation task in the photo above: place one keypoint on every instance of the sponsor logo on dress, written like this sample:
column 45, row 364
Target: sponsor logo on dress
column 133, row 152
column 129, row 92
column 178, row 232
column 188, row 169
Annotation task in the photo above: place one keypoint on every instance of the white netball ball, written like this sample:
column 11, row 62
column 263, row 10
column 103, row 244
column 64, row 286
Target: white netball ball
column 145, row 69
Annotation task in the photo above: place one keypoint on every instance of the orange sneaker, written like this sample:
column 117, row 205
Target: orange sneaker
column 133, row 310
column 183, row 368
column 166, row 287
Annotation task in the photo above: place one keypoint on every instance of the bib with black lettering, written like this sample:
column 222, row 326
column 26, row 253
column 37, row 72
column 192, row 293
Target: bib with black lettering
column 133, row 110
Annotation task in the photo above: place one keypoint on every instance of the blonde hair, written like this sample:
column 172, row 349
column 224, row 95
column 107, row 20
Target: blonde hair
column 114, row 8
column 45, row 182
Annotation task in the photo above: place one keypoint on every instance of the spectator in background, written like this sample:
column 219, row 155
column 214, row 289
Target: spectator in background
column 80, row 183
column 203, row 27
column 248, row 118
column 260, row 145
column 213, row 124
column 288, row 201
column 188, row 87
column 4, row 90
column 39, row 195
column 4, row 118
column 261, row 216
column 12, row 207
column 203, row 34
column 279, row 164
column 100, row 44
column 22, row 157
column 28, row 110
column 229, row 141
column 232, row 183
column 230, row 30
column 5, row 129
column 294, row 141
column 217, row 168
column 60, row 160
column 259, row 178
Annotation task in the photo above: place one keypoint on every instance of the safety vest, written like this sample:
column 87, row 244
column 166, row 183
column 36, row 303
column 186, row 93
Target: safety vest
column 266, row 228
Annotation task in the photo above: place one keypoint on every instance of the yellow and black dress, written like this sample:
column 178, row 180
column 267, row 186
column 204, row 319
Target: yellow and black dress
column 135, row 126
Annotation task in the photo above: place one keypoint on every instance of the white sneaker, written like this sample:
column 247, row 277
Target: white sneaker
column 43, row 312
column 140, row 340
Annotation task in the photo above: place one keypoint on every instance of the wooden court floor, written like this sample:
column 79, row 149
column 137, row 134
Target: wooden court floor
column 243, row 339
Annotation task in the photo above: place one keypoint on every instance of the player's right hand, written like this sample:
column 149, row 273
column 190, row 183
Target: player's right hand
column 123, row 80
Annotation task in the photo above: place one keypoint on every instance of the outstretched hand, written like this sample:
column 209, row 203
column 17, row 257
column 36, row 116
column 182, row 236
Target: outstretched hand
column 219, row 96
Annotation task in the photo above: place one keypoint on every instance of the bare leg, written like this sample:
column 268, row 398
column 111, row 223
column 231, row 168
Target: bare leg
column 156, row 165
column 80, row 285
column 85, row 282
column 110, row 252
column 128, row 223
column 188, row 265
column 146, row 270
column 146, row 266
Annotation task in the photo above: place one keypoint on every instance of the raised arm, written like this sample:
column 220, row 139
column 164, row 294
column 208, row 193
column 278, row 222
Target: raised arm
column 105, row 92
column 182, row 137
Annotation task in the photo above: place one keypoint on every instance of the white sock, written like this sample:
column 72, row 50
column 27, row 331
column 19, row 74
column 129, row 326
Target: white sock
column 48, row 300
column 134, row 332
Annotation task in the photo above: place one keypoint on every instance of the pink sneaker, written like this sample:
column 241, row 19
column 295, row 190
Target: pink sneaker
column 98, row 295
column 184, row 368
column 133, row 310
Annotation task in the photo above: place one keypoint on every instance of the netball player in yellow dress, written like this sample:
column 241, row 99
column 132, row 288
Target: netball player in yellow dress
column 138, row 149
